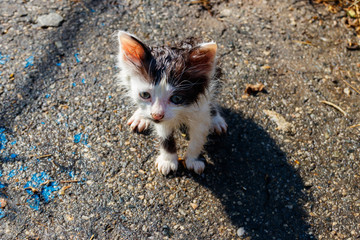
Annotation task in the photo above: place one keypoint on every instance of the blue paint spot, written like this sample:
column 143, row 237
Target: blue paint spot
column 4, row 58
column 12, row 173
column 92, row 10
column 81, row 138
column 2, row 185
column 77, row 58
column 13, row 142
column 83, row 80
column 29, row 61
column 71, row 174
column 42, row 123
column 2, row 213
column 110, row 97
column 3, row 140
column 47, row 95
column 74, row 84
column 13, row 155
column 45, row 191
column 58, row 64
column 23, row 168
column 34, row 202
column 77, row 138
column 0, row 173
column 48, row 190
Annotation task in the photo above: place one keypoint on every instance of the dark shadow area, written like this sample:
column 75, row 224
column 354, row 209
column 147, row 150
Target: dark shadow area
column 260, row 191
column 42, row 74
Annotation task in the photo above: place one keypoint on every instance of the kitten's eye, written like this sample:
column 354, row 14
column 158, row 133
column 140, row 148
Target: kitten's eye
column 145, row 95
column 176, row 99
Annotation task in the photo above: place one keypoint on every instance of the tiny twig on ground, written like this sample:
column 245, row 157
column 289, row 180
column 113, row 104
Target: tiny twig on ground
column 334, row 106
column 354, row 88
column 42, row 156
column 354, row 126
column 70, row 181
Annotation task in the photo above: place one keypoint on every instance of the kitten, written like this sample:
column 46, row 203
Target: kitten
column 171, row 86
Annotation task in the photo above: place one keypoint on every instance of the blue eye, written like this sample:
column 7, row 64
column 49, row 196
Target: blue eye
column 176, row 99
column 145, row 95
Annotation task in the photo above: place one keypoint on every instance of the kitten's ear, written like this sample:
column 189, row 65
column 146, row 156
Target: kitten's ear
column 133, row 51
column 202, row 58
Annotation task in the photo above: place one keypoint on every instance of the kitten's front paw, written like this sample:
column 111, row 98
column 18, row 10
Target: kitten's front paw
column 138, row 122
column 166, row 162
column 219, row 125
column 195, row 165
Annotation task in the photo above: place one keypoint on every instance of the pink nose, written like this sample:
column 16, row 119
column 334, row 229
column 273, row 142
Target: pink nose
column 157, row 116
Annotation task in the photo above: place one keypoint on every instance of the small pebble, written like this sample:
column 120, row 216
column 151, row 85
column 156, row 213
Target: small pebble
column 2, row 202
column 347, row 91
column 241, row 232
column 50, row 20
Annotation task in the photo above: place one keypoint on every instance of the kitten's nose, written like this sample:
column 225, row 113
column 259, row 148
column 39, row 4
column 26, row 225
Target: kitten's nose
column 157, row 116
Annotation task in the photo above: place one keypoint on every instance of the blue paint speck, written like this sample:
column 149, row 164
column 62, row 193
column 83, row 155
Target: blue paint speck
column 83, row 80
column 58, row 64
column 77, row 58
column 0, row 173
column 71, row 174
column 42, row 123
column 4, row 58
column 77, row 138
column 74, row 84
column 23, row 168
column 2, row 213
column 110, row 97
column 45, row 190
column 34, row 202
column 29, row 61
column 92, row 10
column 3, row 140
column 13, row 155
column 12, row 173
column 47, row 95
column 13, row 142
column 80, row 137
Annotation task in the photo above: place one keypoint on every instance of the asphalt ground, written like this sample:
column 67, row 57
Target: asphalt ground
column 71, row 169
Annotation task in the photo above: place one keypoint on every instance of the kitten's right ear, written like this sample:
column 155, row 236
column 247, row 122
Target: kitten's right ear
column 133, row 51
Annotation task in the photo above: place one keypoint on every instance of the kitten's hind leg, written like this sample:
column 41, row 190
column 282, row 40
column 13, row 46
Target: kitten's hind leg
column 138, row 122
column 218, row 123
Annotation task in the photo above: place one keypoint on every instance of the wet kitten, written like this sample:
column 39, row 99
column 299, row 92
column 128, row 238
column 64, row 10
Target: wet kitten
column 171, row 86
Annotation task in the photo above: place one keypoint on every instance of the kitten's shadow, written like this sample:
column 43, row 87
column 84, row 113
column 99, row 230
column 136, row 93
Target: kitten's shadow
column 260, row 191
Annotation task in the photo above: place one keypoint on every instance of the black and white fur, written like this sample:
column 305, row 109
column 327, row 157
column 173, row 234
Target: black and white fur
column 171, row 87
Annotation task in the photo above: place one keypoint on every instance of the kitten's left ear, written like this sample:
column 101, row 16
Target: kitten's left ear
column 202, row 58
column 133, row 52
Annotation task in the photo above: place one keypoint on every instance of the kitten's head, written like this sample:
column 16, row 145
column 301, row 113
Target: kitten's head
column 163, row 81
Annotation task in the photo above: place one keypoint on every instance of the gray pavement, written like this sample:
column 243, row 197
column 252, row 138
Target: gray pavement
column 71, row 169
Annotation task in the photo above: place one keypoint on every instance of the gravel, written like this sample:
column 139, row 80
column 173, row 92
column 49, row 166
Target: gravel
column 71, row 168
column 50, row 20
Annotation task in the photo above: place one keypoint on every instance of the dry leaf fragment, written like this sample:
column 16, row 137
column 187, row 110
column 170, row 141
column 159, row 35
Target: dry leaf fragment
column 252, row 89
column 194, row 205
column 62, row 190
column 282, row 124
